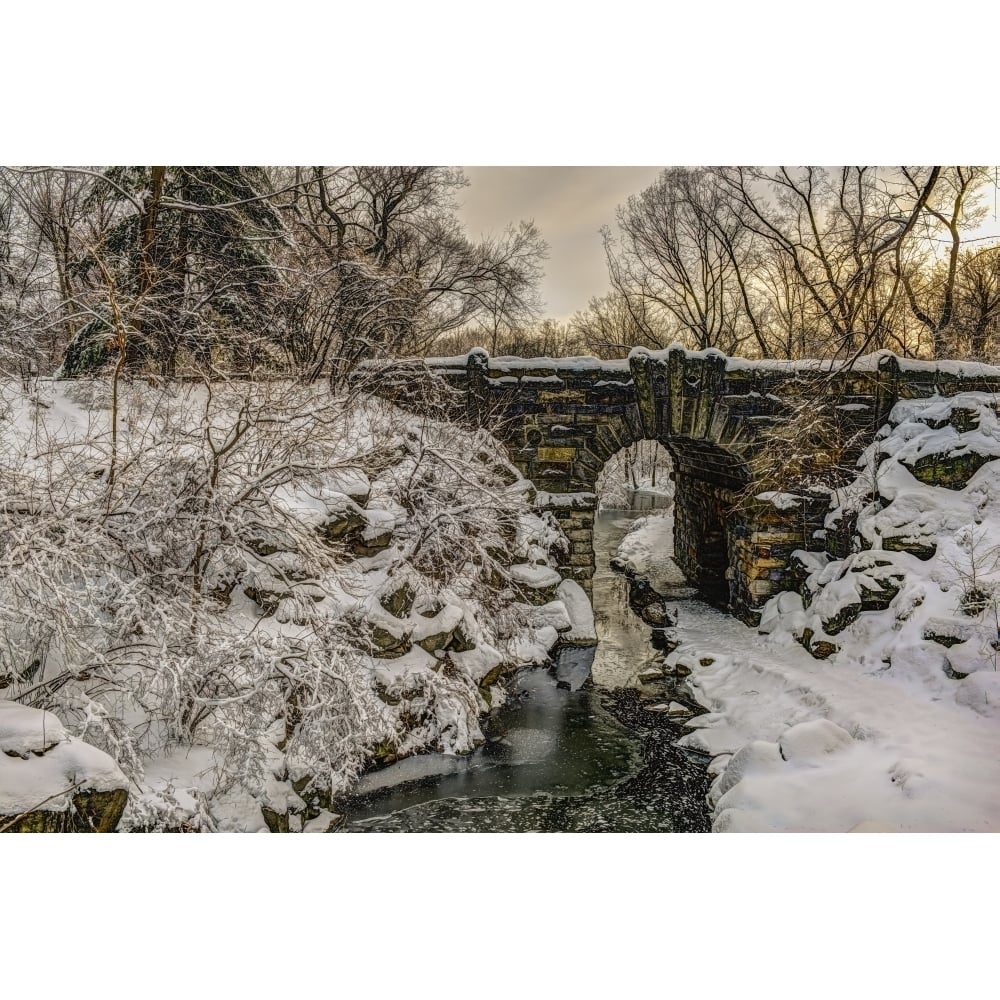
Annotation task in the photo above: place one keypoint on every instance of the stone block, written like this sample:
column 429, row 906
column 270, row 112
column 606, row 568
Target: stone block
column 556, row 455
column 562, row 396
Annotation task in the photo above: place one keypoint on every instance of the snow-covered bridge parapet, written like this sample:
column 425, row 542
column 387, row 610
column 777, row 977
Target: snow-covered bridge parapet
column 563, row 418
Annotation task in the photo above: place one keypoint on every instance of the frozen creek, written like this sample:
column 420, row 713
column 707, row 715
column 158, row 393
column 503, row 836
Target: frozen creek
column 572, row 750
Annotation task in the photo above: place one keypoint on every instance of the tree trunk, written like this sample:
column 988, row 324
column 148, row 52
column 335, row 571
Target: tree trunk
column 139, row 346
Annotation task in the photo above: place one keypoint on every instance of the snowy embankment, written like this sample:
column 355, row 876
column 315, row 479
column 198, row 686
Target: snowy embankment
column 893, row 721
column 248, row 594
column 645, row 553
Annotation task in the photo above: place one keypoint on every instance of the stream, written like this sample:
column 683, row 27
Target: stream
column 573, row 749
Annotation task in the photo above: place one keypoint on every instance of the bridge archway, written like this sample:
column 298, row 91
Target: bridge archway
column 639, row 478
column 564, row 419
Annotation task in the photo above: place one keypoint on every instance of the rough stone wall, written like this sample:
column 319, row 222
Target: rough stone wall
column 701, row 538
column 762, row 538
column 578, row 523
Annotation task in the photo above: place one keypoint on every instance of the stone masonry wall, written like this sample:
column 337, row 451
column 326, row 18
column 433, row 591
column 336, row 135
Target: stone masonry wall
column 578, row 524
column 762, row 537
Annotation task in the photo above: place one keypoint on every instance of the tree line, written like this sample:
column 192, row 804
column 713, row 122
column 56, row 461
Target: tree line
column 306, row 270
column 794, row 262
column 309, row 270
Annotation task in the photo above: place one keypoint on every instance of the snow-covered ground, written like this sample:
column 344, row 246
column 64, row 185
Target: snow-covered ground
column 898, row 728
column 807, row 745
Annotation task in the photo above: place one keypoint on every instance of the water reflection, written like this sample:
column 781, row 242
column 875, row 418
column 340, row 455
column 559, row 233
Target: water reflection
column 624, row 649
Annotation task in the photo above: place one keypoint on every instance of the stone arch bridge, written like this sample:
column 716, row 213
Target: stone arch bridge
column 563, row 418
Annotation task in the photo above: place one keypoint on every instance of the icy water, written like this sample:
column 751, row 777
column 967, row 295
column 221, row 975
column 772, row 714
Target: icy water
column 570, row 751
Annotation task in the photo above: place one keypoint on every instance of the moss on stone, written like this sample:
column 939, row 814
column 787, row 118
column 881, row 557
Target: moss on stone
column 91, row 812
column 99, row 812
column 952, row 472
column 879, row 600
column 399, row 602
column 337, row 528
column 922, row 548
column 388, row 646
column 847, row 615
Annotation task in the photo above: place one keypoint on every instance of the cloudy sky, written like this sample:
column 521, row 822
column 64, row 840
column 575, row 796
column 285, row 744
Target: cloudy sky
column 569, row 205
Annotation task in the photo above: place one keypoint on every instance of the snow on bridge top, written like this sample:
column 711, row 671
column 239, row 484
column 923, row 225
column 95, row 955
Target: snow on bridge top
column 866, row 363
column 672, row 394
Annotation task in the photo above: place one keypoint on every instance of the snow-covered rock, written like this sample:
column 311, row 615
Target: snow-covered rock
column 809, row 742
column 981, row 692
column 50, row 781
column 582, row 630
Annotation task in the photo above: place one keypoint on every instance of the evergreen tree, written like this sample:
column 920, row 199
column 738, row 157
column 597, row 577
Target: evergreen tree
column 189, row 253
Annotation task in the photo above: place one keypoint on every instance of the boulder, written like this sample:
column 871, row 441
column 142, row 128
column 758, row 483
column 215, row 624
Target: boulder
column 52, row 782
column 810, row 742
column 436, row 642
column 952, row 471
column 656, row 615
column 398, row 601
column 268, row 600
column 460, row 641
column 361, row 546
column 949, row 632
column 340, row 525
column 821, row 649
column 387, row 646
column 352, row 483
column 846, row 615
column 536, row 584
column 921, row 546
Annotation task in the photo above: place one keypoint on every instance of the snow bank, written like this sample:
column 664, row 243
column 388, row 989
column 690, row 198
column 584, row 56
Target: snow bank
column 898, row 728
column 580, row 613
column 647, row 552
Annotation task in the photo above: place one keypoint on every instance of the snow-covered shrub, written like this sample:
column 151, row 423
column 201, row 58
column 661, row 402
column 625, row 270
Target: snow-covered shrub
column 221, row 566
column 809, row 446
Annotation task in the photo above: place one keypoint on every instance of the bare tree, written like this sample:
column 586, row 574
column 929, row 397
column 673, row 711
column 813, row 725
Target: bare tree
column 684, row 255
column 930, row 288
column 977, row 302
column 838, row 232
column 613, row 323
column 384, row 268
